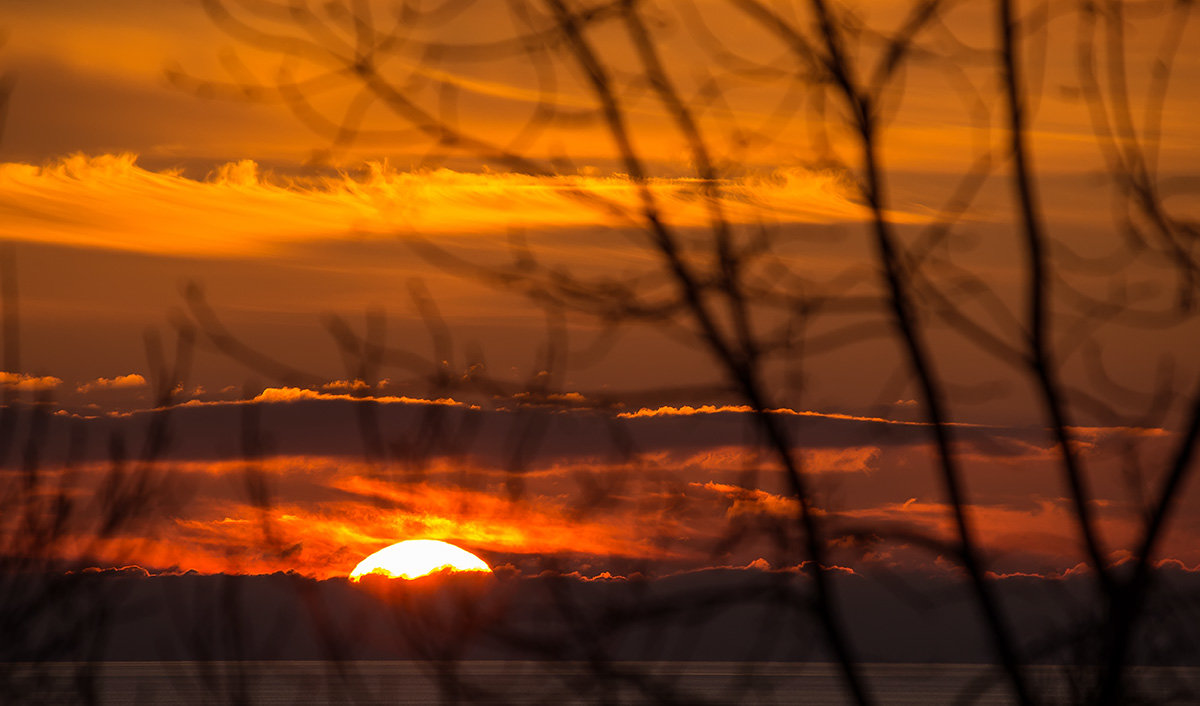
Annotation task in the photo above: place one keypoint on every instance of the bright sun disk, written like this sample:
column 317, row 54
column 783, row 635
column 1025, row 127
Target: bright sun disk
column 414, row 558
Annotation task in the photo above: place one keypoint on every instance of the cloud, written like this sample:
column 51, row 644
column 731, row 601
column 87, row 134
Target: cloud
column 753, row 501
column 295, row 394
column 1039, row 537
column 602, row 576
column 688, row 411
column 686, row 484
column 853, row 459
column 354, row 385
column 323, row 525
column 307, row 422
column 21, row 381
column 322, row 514
column 121, row 381
column 109, row 202
column 132, row 570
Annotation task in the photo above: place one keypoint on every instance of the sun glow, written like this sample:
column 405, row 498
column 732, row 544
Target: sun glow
column 418, row 557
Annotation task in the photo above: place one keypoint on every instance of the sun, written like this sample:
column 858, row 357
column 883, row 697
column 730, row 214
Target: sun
column 413, row 558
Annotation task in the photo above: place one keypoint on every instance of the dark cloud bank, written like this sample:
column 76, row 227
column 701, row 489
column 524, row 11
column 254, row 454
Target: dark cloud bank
column 495, row 437
column 718, row 614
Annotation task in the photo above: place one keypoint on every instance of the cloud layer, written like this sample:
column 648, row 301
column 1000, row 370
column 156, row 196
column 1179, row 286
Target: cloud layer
column 293, row 479
column 109, row 202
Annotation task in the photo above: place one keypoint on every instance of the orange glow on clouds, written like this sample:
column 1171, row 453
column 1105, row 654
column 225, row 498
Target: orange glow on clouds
column 21, row 381
column 115, row 204
column 689, row 410
column 323, row 514
column 120, row 381
column 293, row 394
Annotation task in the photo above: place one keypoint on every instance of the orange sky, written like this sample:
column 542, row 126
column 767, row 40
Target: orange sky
column 135, row 174
column 686, row 494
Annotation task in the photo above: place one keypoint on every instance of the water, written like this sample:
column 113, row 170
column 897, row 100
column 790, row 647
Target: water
column 378, row 682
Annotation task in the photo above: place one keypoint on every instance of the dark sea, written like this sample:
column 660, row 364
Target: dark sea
column 378, row 682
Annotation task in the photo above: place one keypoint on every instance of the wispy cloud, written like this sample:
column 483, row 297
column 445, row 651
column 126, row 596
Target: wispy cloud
column 296, row 394
column 110, row 202
column 689, row 410
column 320, row 515
column 323, row 515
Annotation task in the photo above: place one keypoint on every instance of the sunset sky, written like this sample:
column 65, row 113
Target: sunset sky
column 155, row 177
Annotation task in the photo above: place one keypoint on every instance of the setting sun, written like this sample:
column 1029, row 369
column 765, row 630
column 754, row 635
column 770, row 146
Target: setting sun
column 418, row 557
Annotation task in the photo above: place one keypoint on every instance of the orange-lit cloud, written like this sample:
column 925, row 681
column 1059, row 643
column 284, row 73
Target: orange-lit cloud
column 120, row 381
column 22, row 381
column 294, row 394
column 320, row 500
column 355, row 385
column 110, row 202
column 689, row 410
column 320, row 515
column 734, row 459
column 753, row 501
column 327, row 538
